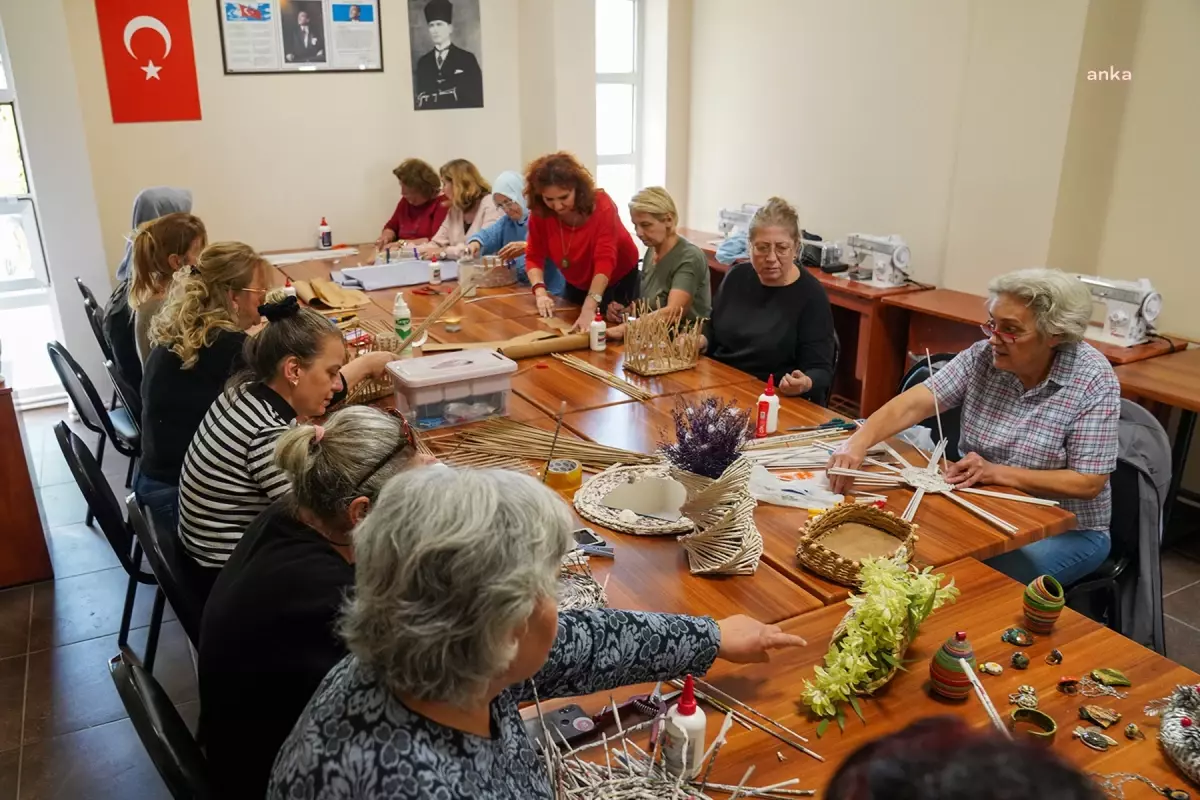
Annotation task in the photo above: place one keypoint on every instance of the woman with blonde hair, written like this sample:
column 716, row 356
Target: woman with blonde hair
column 197, row 340
column 771, row 318
column 674, row 271
column 264, row 647
column 470, row 210
column 161, row 248
column 420, row 211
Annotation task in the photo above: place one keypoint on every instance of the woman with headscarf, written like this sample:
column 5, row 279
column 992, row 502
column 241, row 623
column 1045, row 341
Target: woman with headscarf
column 150, row 204
column 506, row 236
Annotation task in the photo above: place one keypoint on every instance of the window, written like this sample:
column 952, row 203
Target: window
column 618, row 98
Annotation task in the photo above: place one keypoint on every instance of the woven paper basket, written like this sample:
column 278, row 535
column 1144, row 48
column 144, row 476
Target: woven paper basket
column 726, row 541
column 818, row 552
column 495, row 277
column 898, row 654
column 589, row 502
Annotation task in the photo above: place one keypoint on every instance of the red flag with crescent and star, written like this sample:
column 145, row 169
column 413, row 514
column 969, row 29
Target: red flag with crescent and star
column 149, row 60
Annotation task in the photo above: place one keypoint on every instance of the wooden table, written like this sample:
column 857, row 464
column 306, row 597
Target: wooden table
column 989, row 603
column 947, row 321
column 946, row 531
column 24, row 557
column 1174, row 380
column 871, row 332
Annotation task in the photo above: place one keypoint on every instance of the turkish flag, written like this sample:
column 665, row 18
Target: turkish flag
column 149, row 60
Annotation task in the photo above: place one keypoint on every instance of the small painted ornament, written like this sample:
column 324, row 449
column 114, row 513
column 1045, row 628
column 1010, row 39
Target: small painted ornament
column 1068, row 684
column 1043, row 602
column 1104, row 717
column 1110, row 677
column 1019, row 660
column 1133, row 732
column 991, row 668
column 946, row 675
column 1024, row 697
column 1054, row 657
column 1017, row 637
column 1094, row 738
column 1025, row 688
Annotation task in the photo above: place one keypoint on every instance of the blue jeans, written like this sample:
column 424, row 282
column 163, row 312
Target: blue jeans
column 1068, row 558
column 552, row 277
column 160, row 499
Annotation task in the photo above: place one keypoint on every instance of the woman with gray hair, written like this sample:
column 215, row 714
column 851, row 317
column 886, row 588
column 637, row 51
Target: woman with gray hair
column 453, row 625
column 268, row 635
column 1039, row 413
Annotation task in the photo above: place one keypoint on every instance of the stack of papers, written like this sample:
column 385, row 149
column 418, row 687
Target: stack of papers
column 388, row 276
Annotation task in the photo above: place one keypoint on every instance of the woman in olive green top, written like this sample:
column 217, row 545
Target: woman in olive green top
column 674, row 271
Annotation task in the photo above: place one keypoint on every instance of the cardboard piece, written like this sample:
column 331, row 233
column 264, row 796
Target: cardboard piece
column 555, row 324
column 335, row 296
column 660, row 498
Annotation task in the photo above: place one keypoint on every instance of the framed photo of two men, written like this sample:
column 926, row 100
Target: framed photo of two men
column 446, row 40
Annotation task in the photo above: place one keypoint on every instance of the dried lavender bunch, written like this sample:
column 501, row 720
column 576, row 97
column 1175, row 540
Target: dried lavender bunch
column 708, row 437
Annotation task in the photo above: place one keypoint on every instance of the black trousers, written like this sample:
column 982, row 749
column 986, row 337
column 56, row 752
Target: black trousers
column 624, row 291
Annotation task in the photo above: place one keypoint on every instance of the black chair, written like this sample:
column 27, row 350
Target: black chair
column 164, row 734
column 89, row 297
column 107, row 509
column 163, row 562
column 952, row 418
column 117, row 426
column 1125, row 531
column 95, row 318
column 130, row 399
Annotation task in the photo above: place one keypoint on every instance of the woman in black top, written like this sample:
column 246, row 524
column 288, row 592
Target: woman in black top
column 197, row 336
column 770, row 317
column 267, row 637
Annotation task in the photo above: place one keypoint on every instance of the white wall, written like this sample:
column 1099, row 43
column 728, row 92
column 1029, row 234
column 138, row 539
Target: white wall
column 941, row 120
column 275, row 153
column 60, row 173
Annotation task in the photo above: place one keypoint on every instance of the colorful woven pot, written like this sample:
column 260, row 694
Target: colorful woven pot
column 946, row 675
column 1044, row 600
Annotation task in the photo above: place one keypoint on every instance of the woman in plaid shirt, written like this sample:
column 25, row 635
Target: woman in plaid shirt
column 1039, row 413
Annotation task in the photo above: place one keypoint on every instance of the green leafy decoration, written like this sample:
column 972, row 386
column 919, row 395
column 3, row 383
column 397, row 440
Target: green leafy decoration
column 857, row 708
column 822, row 727
column 841, row 720
column 894, row 602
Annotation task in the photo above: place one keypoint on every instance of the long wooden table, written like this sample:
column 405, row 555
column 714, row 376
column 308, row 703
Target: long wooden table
column 871, row 332
column 989, row 603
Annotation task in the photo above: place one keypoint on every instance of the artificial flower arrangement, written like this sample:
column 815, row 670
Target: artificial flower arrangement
column 869, row 643
column 708, row 436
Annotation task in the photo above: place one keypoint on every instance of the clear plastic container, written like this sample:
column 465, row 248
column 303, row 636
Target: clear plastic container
column 452, row 388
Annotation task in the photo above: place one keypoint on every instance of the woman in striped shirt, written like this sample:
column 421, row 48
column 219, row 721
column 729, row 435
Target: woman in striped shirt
column 294, row 369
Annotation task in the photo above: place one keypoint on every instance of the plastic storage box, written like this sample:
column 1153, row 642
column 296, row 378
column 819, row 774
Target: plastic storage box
column 451, row 388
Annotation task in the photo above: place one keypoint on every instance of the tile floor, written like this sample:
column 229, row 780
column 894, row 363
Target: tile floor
column 63, row 731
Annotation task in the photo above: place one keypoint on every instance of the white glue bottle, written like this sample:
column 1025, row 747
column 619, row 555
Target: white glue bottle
column 596, row 336
column 683, row 734
column 768, row 410
column 324, row 235
column 403, row 322
column 435, row 272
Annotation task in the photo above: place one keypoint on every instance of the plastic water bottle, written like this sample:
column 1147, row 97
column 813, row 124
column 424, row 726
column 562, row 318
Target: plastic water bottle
column 324, row 235
column 402, row 317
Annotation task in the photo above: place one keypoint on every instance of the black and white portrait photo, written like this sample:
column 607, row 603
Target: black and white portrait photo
column 303, row 32
column 446, row 41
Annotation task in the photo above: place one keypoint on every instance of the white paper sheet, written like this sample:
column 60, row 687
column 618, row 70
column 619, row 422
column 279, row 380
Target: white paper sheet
column 282, row 259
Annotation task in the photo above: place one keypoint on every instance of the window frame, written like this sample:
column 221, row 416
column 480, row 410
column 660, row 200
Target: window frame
column 633, row 79
column 24, row 201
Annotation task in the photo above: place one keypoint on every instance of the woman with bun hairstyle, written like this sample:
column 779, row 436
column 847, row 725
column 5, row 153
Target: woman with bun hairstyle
column 295, row 367
column 269, row 630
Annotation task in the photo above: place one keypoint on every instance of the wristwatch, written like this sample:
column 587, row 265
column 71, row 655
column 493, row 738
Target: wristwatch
column 596, row 298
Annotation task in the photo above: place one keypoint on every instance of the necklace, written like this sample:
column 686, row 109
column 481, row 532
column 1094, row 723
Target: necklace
column 566, row 245
column 1114, row 785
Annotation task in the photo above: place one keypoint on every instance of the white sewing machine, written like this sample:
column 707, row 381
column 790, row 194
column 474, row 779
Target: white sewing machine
column 1130, row 309
column 890, row 255
column 736, row 219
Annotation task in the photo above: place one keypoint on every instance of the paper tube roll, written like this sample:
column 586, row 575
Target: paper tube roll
column 559, row 344
column 304, row 291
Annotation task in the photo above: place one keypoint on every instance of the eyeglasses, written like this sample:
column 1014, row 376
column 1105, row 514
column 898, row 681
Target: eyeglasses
column 506, row 204
column 255, row 290
column 989, row 330
column 782, row 249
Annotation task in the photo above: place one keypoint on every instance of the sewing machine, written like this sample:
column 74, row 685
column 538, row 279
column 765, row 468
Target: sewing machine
column 1130, row 309
column 890, row 257
column 730, row 220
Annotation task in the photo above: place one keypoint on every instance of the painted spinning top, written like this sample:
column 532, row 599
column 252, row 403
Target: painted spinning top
column 1018, row 637
column 1044, row 600
column 946, row 675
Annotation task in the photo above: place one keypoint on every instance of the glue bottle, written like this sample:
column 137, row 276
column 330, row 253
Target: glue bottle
column 403, row 322
column 288, row 289
column 596, row 335
column 768, row 410
column 683, row 734
column 324, row 235
column 435, row 272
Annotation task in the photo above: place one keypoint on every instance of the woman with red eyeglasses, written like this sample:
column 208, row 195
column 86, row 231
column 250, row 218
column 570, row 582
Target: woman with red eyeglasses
column 1039, row 413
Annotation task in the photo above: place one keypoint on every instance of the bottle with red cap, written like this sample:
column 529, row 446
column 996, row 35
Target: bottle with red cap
column 597, row 337
column 683, row 733
column 324, row 235
column 768, row 410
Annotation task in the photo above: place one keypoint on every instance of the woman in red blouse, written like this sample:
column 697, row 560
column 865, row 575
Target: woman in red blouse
column 420, row 211
column 575, row 227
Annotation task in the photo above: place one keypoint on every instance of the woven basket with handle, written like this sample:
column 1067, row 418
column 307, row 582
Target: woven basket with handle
column 813, row 553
